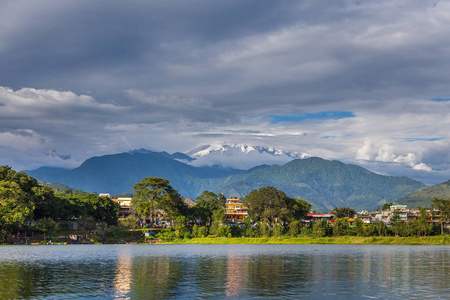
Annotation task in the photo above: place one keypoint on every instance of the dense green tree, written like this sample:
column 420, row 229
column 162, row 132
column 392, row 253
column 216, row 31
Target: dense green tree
column 338, row 227
column 47, row 226
column 294, row 228
column 207, row 203
column 443, row 206
column 218, row 220
column 153, row 193
column 395, row 222
column 46, row 203
column 131, row 223
column 274, row 206
column 15, row 207
column 300, row 208
column 16, row 200
column 370, row 229
column 102, row 209
column 199, row 231
column 236, row 231
column 382, row 228
column 343, row 212
column 359, row 227
column 423, row 228
column 321, row 228
column 386, row 206
column 263, row 229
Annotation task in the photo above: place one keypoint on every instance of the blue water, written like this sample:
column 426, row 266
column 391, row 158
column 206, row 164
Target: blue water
column 224, row 271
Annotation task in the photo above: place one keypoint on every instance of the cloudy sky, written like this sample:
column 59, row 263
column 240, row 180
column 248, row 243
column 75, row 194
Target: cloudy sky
column 365, row 82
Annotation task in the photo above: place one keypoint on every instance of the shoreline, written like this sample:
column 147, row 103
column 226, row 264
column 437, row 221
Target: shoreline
column 343, row 240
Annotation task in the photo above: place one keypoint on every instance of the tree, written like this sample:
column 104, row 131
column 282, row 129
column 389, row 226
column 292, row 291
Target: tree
column 46, row 203
column 274, row 206
column 321, row 228
column 386, row 206
column 343, row 212
column 359, row 227
column 300, row 208
column 338, row 227
column 218, row 219
column 395, row 221
column 443, row 206
column 102, row 209
column 131, row 223
column 47, row 225
column 382, row 228
column 207, row 203
column 153, row 193
column 422, row 224
column 16, row 205
column 294, row 228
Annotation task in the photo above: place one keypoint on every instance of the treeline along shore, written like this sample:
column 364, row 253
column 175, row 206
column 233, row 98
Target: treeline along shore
column 31, row 213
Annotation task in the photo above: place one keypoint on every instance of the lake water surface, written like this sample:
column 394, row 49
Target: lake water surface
column 224, row 271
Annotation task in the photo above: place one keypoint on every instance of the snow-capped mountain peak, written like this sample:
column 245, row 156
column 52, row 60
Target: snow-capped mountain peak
column 240, row 156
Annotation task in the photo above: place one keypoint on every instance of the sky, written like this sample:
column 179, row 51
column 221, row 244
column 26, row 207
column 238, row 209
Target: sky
column 360, row 81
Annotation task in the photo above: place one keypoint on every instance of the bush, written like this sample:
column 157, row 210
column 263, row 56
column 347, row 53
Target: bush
column 305, row 232
column 95, row 239
column 277, row 230
column 223, row 230
column 202, row 231
column 166, row 235
column 236, row 231
column 294, row 228
column 263, row 229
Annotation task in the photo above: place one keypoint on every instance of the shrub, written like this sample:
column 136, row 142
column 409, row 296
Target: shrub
column 95, row 239
column 202, row 231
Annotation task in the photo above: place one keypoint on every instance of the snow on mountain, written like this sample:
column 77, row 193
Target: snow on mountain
column 240, row 156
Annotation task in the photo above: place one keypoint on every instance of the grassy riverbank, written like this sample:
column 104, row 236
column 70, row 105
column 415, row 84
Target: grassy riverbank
column 344, row 240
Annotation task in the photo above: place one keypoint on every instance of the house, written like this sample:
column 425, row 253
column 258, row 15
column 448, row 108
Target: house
column 235, row 211
column 313, row 216
column 125, row 206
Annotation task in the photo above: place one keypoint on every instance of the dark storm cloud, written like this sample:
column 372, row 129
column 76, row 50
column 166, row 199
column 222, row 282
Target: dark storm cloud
column 118, row 75
column 70, row 44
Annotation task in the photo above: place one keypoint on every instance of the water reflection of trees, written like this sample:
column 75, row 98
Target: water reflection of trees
column 278, row 275
column 234, row 274
column 166, row 276
column 43, row 278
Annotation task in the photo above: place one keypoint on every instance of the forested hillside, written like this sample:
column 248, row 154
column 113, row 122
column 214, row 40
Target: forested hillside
column 424, row 197
column 325, row 184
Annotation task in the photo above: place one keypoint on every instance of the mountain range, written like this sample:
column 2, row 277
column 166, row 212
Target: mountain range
column 424, row 196
column 325, row 184
column 238, row 156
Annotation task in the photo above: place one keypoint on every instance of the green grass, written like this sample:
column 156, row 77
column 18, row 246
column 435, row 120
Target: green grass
column 344, row 240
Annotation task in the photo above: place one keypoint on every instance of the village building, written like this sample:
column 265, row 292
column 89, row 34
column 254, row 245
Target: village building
column 235, row 211
column 310, row 217
column 125, row 209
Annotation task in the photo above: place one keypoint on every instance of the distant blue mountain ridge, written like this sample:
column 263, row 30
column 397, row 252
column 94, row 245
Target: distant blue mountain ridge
column 325, row 184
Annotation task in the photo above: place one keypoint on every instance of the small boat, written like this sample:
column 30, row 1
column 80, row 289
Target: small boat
column 34, row 243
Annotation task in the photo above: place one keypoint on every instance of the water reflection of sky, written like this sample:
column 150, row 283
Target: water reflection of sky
column 223, row 271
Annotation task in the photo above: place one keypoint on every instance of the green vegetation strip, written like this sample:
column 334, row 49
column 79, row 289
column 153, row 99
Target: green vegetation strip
column 345, row 240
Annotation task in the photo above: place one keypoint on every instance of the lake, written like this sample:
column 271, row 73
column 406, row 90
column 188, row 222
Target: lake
column 224, row 271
